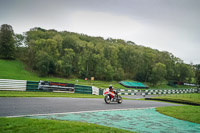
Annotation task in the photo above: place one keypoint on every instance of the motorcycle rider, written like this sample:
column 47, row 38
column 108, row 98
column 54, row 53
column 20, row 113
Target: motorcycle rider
column 112, row 92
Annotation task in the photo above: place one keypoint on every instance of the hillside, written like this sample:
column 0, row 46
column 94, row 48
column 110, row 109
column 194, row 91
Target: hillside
column 14, row 69
column 67, row 54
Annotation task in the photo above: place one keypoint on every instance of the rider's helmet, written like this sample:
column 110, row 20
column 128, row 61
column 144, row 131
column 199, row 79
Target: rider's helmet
column 110, row 88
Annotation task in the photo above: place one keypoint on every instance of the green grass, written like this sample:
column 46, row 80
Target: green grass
column 27, row 125
column 188, row 113
column 167, row 87
column 45, row 94
column 192, row 98
column 14, row 69
column 49, row 94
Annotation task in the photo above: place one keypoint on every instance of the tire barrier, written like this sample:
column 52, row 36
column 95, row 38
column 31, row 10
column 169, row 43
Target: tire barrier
column 56, row 86
column 12, row 85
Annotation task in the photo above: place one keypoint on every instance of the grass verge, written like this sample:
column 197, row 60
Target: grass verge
column 187, row 113
column 49, row 94
column 193, row 98
column 45, row 94
column 23, row 125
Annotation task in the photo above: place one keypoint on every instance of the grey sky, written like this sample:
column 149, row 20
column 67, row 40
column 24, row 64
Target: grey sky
column 166, row 25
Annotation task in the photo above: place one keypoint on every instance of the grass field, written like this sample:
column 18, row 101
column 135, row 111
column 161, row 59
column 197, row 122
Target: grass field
column 192, row 98
column 27, row 125
column 188, row 113
column 165, row 86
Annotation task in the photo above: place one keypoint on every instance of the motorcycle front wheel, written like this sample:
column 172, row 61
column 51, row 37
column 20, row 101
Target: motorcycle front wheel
column 107, row 99
column 119, row 100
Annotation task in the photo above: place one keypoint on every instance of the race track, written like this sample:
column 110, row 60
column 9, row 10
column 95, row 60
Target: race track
column 32, row 106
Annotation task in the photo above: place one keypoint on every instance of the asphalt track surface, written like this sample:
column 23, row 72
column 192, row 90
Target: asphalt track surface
column 34, row 106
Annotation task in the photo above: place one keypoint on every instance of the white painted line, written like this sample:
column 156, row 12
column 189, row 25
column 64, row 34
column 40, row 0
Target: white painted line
column 77, row 112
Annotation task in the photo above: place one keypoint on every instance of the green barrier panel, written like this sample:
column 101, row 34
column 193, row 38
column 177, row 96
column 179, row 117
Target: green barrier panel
column 100, row 92
column 32, row 85
column 83, row 89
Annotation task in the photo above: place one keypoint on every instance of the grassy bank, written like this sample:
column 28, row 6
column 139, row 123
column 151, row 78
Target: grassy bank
column 167, row 87
column 23, row 125
column 188, row 113
column 45, row 94
column 14, row 69
column 192, row 98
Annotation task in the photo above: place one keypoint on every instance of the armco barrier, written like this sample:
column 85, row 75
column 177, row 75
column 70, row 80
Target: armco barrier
column 13, row 85
column 83, row 89
column 32, row 86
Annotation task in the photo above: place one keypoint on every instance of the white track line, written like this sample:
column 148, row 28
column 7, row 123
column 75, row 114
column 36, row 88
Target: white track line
column 77, row 112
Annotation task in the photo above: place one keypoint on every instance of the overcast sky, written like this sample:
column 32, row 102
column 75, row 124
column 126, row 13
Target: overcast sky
column 166, row 25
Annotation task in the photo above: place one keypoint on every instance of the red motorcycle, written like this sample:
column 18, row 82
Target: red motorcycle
column 112, row 97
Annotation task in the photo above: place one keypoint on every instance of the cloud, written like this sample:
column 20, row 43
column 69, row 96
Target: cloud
column 103, row 24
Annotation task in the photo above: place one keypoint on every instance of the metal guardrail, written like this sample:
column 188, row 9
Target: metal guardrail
column 13, row 85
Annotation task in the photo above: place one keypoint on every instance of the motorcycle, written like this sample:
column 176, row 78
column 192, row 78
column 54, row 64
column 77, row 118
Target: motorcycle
column 110, row 98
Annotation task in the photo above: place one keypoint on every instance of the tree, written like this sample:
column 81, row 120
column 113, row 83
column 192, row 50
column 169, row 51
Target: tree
column 66, row 66
column 43, row 63
column 7, row 47
column 158, row 73
column 66, row 53
column 197, row 73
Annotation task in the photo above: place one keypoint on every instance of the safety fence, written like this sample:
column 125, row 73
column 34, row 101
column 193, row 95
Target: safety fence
column 32, row 86
column 24, row 85
column 13, row 85
column 128, row 91
column 56, row 86
column 177, row 91
column 154, row 92
column 83, row 89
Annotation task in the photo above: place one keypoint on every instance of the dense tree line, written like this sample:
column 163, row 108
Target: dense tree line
column 7, row 47
column 69, row 54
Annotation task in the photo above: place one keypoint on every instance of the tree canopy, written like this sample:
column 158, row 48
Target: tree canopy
column 65, row 53
column 68, row 54
column 7, row 47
